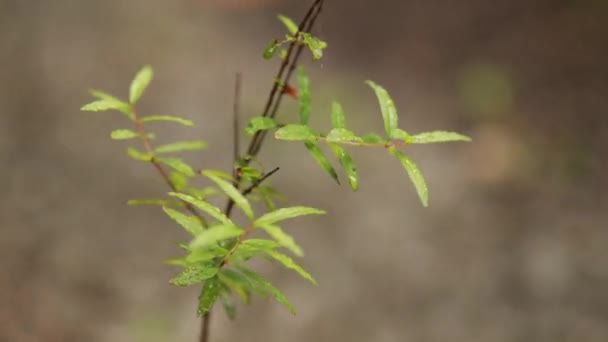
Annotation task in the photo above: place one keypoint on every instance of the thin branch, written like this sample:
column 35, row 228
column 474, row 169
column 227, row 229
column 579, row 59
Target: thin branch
column 259, row 181
column 235, row 118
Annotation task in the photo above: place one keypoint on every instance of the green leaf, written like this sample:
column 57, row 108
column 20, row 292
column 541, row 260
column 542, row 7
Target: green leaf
column 399, row 134
column 110, row 103
column 228, row 303
column 260, row 284
column 284, row 239
column 414, row 174
column 315, row 45
column 179, row 180
column 290, row 264
column 436, row 137
column 123, row 134
column 342, row 135
column 347, row 164
column 221, row 174
column 140, row 83
column 291, row 26
column 248, row 248
column 239, row 283
column 317, row 154
column 178, row 165
column 190, row 223
column 305, row 97
column 373, row 138
column 182, row 146
column 154, row 201
column 387, row 107
column 337, row 115
column 271, row 49
column 259, row 123
column 232, row 192
column 211, row 290
column 284, row 214
column 212, row 210
column 169, row 118
column 195, row 274
column 206, row 254
column 203, row 193
column 137, row 155
column 214, row 235
column 294, row 132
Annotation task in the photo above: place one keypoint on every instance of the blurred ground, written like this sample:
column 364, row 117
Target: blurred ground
column 512, row 248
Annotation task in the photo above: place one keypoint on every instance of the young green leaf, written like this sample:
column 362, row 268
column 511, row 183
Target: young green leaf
column 294, row 132
column 108, row 102
column 195, row 274
column 178, row 165
column 212, row 210
column 289, row 263
column 239, row 199
column 179, row 180
column 283, row 239
column 239, row 283
column 211, row 290
column 214, row 235
column 203, row 193
column 206, row 254
column 284, row 214
column 228, row 303
column 123, row 134
column 305, row 97
column 373, row 138
column 140, row 83
column 414, row 174
column 250, row 247
column 271, row 49
column 315, row 45
column 168, row 118
column 259, row 123
column 154, row 201
column 182, row 146
column 317, row 154
column 137, row 155
column 347, row 164
column 436, row 137
column 291, row 26
column 342, row 135
column 387, row 107
column 337, row 116
column 399, row 134
column 260, row 284
column 191, row 224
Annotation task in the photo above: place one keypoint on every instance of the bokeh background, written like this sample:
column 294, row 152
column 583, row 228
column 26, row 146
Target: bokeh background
column 512, row 248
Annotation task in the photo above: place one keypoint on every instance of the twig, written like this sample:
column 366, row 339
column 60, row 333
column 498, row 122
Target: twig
column 259, row 181
column 235, row 118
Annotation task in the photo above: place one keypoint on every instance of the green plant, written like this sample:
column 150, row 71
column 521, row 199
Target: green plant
column 218, row 249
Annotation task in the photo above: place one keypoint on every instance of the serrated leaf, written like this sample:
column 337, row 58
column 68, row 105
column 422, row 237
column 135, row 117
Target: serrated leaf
column 228, row 303
column 178, row 165
column 210, row 209
column 182, row 146
column 337, row 116
column 137, row 155
column 179, row 180
column 191, row 224
column 140, row 83
column 284, row 214
column 113, row 102
column 154, row 201
column 294, row 132
column 169, row 118
column 241, row 201
column 373, row 138
column 399, row 134
column 319, row 156
column 436, row 137
column 414, row 174
column 195, row 274
column 342, row 135
column 289, row 263
column 214, row 235
column 305, row 97
column 289, row 24
column 257, row 282
column 347, row 164
column 209, row 294
column 283, row 239
column 259, row 123
column 271, row 49
column 387, row 107
column 123, row 134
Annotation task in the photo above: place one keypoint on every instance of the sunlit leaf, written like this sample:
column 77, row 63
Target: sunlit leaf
column 289, row 263
column 305, row 97
column 137, row 155
column 259, row 123
column 347, row 164
column 373, row 138
column 294, row 132
column 179, row 180
column 211, row 290
column 414, row 174
column 210, row 209
column 215, row 234
column 111, row 102
column 178, row 165
column 342, row 135
column 387, row 107
column 123, row 134
column 181, row 146
column 190, row 223
column 284, row 214
column 195, row 274
column 291, row 26
column 232, row 192
column 319, row 156
column 399, row 134
column 337, row 115
column 284, row 239
column 207, row 253
column 140, row 83
column 168, row 118
column 436, row 137
column 257, row 282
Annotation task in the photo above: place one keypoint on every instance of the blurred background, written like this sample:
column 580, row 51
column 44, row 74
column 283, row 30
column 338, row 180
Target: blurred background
column 512, row 247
